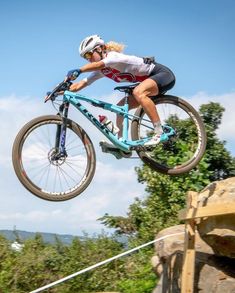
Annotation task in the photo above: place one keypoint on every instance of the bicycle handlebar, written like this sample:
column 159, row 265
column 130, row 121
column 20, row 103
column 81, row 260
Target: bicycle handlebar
column 62, row 86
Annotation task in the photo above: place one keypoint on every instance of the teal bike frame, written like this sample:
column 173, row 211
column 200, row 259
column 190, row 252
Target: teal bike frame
column 125, row 144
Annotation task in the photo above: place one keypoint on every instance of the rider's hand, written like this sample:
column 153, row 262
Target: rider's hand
column 73, row 74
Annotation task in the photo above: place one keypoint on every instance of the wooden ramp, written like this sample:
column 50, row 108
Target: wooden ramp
column 190, row 216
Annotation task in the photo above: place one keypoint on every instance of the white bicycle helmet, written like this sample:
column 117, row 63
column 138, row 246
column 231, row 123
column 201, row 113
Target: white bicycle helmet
column 90, row 43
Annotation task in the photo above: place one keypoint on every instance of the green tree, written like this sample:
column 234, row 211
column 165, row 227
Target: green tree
column 221, row 163
column 37, row 264
column 7, row 257
column 89, row 251
column 167, row 194
column 139, row 276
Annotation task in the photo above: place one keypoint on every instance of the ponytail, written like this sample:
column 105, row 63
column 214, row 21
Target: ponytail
column 113, row 46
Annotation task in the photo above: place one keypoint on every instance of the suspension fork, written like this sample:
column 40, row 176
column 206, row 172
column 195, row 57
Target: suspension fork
column 61, row 130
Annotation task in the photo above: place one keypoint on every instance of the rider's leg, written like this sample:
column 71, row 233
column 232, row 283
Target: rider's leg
column 142, row 94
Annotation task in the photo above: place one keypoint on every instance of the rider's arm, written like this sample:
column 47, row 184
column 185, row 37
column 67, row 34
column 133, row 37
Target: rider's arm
column 78, row 85
column 86, row 81
column 92, row 66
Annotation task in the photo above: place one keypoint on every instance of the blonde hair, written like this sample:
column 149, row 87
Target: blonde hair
column 114, row 46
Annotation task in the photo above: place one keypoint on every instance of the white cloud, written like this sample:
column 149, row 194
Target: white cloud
column 15, row 112
column 37, row 215
column 78, row 214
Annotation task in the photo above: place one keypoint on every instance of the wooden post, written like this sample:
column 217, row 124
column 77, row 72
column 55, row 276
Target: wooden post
column 187, row 278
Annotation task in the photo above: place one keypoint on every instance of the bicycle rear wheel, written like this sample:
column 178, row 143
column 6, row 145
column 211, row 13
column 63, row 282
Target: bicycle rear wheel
column 35, row 165
column 183, row 151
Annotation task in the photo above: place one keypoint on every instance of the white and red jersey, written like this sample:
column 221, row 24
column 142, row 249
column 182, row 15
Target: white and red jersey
column 122, row 68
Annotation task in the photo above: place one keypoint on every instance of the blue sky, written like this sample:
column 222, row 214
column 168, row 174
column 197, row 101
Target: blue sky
column 39, row 44
column 40, row 39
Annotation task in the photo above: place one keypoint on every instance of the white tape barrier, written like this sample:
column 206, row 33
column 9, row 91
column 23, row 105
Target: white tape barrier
column 103, row 262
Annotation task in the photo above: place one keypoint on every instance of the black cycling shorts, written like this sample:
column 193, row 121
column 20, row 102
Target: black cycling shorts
column 163, row 76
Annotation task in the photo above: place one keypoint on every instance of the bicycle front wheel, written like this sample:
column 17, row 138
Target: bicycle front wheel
column 183, row 151
column 35, row 165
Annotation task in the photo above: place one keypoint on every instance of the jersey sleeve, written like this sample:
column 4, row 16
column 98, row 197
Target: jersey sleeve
column 93, row 77
column 113, row 58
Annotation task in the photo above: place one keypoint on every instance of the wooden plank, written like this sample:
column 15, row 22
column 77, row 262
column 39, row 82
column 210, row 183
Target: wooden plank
column 207, row 211
column 187, row 278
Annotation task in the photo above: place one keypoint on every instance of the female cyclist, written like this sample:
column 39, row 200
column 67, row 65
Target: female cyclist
column 107, row 60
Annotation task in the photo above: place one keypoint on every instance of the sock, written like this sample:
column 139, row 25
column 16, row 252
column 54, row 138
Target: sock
column 157, row 127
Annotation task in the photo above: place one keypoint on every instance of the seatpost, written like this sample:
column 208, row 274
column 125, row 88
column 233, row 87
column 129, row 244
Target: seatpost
column 126, row 120
column 126, row 98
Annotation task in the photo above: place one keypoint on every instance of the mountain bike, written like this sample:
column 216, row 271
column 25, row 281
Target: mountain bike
column 54, row 158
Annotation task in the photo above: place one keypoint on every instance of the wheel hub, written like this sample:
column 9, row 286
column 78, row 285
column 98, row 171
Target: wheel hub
column 56, row 157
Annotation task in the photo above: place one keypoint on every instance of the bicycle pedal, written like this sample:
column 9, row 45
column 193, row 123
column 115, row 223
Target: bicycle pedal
column 113, row 150
column 105, row 146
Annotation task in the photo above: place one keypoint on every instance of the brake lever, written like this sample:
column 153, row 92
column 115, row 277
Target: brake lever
column 50, row 96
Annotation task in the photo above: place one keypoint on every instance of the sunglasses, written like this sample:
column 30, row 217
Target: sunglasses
column 88, row 55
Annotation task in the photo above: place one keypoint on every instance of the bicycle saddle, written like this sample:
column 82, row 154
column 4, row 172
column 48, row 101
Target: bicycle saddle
column 126, row 88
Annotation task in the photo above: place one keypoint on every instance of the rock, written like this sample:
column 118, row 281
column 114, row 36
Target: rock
column 214, row 274
column 218, row 231
column 170, row 245
column 214, row 245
